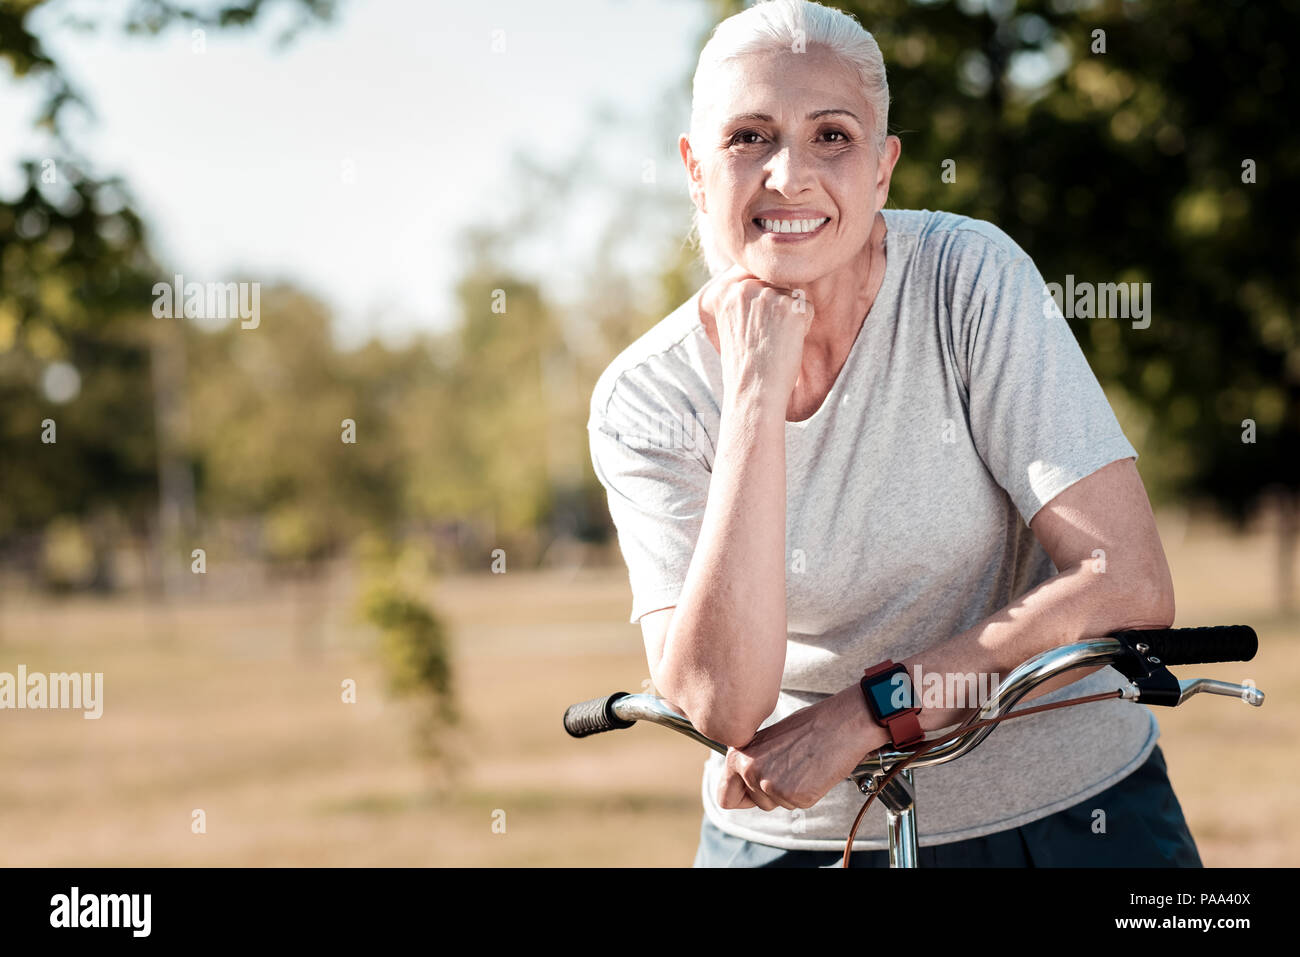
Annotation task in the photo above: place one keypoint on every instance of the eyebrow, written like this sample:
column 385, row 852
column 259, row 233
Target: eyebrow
column 765, row 118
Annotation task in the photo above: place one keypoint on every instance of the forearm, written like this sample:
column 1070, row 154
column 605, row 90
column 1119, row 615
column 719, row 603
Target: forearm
column 725, row 649
column 1074, row 605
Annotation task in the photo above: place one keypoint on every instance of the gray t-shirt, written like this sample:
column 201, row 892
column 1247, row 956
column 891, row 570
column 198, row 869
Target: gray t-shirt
column 963, row 407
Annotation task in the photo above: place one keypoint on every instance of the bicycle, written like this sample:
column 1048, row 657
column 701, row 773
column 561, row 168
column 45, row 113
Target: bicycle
column 1140, row 656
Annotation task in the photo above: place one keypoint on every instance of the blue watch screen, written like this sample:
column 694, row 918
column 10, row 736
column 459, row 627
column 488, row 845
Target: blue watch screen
column 891, row 692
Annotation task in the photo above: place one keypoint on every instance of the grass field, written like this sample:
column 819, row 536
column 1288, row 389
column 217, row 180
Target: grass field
column 218, row 705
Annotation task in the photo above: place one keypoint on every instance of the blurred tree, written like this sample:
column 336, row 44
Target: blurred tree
column 76, row 342
column 1143, row 141
column 503, row 407
column 301, row 441
column 623, row 270
column 414, row 642
column 285, row 427
column 67, row 287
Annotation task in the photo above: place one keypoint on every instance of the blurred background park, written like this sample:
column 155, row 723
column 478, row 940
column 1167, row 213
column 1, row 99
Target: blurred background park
column 344, row 566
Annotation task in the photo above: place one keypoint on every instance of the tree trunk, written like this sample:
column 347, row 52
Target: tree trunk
column 175, row 480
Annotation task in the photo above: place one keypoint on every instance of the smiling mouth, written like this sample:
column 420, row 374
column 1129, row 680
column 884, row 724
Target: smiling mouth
column 790, row 227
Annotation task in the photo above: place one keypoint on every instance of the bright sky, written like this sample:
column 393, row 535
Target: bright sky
column 239, row 156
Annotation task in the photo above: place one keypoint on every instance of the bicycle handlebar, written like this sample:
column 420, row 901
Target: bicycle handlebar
column 1142, row 650
column 595, row 716
column 1134, row 651
column 1195, row 646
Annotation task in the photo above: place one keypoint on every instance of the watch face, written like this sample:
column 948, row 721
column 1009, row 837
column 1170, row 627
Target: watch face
column 890, row 693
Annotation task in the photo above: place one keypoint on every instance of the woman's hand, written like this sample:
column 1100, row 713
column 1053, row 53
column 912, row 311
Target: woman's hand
column 758, row 330
column 796, row 761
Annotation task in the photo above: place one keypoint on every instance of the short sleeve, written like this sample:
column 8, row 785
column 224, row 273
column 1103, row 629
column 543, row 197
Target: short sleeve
column 1038, row 415
column 657, row 490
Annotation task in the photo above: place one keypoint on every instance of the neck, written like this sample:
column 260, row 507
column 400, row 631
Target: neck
column 842, row 299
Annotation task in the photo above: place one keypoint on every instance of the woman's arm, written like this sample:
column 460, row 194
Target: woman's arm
column 1112, row 575
column 723, row 652
column 796, row 761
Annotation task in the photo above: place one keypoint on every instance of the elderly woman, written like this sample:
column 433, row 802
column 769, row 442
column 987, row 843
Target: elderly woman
column 871, row 439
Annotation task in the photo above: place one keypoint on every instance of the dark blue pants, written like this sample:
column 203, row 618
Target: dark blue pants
column 1144, row 828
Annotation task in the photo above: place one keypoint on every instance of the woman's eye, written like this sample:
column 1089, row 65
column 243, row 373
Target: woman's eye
column 737, row 138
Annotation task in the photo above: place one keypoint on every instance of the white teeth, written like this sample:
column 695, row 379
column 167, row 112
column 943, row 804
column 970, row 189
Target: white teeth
column 792, row 225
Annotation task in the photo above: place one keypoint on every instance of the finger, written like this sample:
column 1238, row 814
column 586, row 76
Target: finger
column 761, row 789
column 737, row 788
column 768, row 788
column 762, row 799
column 732, row 792
column 736, row 796
column 719, row 283
column 756, row 794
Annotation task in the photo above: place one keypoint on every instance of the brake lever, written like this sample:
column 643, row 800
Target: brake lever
column 1153, row 683
column 1247, row 693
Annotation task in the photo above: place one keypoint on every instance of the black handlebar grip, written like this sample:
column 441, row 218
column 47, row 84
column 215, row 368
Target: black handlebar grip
column 1196, row 646
column 594, row 716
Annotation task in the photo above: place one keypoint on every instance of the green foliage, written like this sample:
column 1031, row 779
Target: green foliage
column 413, row 640
column 414, row 649
column 76, row 276
column 68, row 556
column 266, row 413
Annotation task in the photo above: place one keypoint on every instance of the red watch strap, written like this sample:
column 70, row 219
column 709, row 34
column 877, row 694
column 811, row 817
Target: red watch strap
column 905, row 729
column 885, row 665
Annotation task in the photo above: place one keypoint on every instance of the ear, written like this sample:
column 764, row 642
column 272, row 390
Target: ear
column 694, row 173
column 893, row 148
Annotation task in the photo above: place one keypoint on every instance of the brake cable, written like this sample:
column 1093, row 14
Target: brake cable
column 932, row 743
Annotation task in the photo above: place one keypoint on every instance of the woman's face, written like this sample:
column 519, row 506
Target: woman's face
column 789, row 138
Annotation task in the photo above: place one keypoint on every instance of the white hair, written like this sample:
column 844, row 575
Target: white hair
column 784, row 25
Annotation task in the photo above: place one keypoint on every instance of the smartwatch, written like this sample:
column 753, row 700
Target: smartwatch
column 892, row 702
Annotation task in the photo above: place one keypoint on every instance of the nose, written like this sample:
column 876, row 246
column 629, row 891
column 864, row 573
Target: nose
column 788, row 171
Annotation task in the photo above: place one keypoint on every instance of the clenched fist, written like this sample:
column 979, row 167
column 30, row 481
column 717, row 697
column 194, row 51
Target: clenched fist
column 758, row 330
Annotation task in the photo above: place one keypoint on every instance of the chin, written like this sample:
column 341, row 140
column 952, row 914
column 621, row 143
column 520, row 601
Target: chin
column 790, row 275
